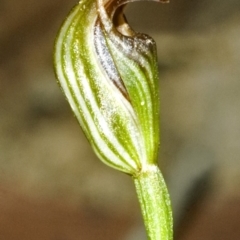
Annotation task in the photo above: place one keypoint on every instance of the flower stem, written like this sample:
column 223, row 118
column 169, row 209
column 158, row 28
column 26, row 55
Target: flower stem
column 155, row 204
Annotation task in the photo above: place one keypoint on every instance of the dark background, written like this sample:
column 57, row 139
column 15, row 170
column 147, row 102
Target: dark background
column 52, row 187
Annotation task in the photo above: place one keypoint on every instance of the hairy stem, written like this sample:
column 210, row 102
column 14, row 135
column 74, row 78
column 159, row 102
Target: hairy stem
column 155, row 204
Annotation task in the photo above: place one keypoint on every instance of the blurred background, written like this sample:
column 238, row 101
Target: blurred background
column 52, row 187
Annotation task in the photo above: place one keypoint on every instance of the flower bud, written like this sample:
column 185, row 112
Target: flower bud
column 109, row 75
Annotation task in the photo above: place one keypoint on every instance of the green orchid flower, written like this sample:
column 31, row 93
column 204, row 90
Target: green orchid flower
column 109, row 75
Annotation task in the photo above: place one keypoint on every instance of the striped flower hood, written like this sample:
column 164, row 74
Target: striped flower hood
column 109, row 75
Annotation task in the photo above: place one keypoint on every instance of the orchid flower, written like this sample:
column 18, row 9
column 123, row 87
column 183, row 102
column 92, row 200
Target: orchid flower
column 109, row 76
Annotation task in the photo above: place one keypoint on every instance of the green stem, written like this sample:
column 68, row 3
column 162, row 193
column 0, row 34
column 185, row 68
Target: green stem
column 155, row 203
